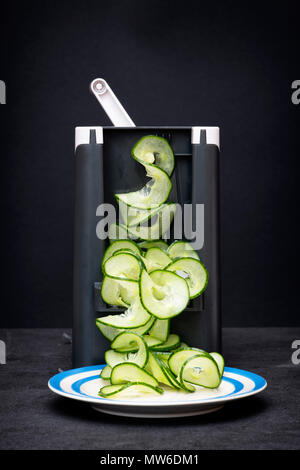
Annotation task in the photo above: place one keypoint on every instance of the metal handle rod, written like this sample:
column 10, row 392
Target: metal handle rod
column 110, row 103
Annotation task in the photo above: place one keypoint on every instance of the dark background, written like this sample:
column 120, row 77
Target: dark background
column 186, row 63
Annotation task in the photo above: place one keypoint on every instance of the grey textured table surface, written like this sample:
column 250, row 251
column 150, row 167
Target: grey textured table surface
column 32, row 417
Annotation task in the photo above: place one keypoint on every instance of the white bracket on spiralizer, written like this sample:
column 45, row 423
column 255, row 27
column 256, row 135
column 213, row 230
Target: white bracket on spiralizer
column 212, row 135
column 82, row 135
column 110, row 103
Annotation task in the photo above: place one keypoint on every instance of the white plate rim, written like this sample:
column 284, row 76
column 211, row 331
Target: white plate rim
column 259, row 385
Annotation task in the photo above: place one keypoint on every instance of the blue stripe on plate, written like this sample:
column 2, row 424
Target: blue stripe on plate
column 238, row 386
column 259, row 382
column 56, row 379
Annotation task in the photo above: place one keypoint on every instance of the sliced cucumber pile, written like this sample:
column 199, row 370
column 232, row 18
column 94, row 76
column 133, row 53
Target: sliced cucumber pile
column 152, row 282
column 145, row 213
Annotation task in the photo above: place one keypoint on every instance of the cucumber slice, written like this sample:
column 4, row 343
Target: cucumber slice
column 118, row 232
column 162, row 360
column 111, row 332
column 160, row 330
column 193, row 271
column 172, row 342
column 188, row 387
column 163, row 293
column 181, row 249
column 119, row 292
column 155, row 258
column 123, row 266
column 177, row 358
column 157, row 369
column 154, row 230
column 145, row 245
column 130, row 372
column 151, row 341
column 153, row 194
column 173, row 381
column 183, row 346
column 125, row 341
column 156, row 150
column 134, row 317
column 131, row 216
column 128, row 390
column 163, row 356
column 200, row 370
column 112, row 358
column 105, row 373
column 120, row 245
column 220, row 362
column 165, row 375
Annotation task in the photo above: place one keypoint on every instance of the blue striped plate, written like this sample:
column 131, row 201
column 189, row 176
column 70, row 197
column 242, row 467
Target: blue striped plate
column 84, row 383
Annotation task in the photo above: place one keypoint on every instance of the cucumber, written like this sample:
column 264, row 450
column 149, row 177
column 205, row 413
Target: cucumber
column 188, row 387
column 193, row 271
column 119, row 292
column 163, row 356
column 155, row 282
column 111, row 332
column 145, row 245
column 181, row 249
column 200, row 370
column 220, row 362
column 172, row 342
column 123, row 266
column 151, row 341
column 172, row 380
column 130, row 372
column 183, row 346
column 135, row 316
column 105, row 373
column 160, row 329
column 154, row 149
column 125, row 341
column 128, row 390
column 155, row 258
column 117, row 232
column 157, row 369
column 156, row 229
column 164, row 372
column 177, row 358
column 163, row 293
column 112, row 358
column 131, row 216
column 120, row 245
column 153, row 194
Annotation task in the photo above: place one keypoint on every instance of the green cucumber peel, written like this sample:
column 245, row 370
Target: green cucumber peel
column 133, row 389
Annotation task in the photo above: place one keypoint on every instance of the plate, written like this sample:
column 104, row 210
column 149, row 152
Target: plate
column 84, row 383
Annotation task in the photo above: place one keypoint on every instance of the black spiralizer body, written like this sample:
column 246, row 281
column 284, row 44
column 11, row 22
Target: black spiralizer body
column 107, row 150
column 88, row 249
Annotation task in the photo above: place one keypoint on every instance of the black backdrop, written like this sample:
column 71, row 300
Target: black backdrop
column 184, row 63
